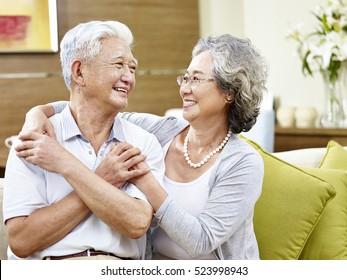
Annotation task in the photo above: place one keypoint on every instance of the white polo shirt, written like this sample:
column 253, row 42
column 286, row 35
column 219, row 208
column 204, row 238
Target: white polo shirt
column 28, row 188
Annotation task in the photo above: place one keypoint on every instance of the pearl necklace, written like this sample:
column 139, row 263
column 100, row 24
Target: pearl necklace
column 208, row 156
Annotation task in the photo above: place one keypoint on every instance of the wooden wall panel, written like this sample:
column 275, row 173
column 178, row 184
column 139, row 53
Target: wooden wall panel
column 158, row 92
column 18, row 96
column 164, row 31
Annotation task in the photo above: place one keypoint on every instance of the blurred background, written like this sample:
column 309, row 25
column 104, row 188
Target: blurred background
column 165, row 33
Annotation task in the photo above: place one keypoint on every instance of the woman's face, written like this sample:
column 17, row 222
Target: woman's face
column 203, row 101
column 110, row 77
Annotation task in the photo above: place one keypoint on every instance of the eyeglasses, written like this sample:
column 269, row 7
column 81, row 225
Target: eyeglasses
column 193, row 81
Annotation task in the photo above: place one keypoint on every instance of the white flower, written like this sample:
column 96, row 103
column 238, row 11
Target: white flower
column 326, row 47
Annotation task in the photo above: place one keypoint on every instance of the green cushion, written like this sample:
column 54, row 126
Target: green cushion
column 288, row 209
column 335, row 157
column 328, row 241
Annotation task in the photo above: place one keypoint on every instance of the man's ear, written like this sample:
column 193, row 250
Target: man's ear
column 77, row 73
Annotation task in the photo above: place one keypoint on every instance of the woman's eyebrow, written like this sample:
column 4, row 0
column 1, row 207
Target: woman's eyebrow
column 195, row 72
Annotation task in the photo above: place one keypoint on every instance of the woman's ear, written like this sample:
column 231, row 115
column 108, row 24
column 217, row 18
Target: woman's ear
column 76, row 72
column 229, row 98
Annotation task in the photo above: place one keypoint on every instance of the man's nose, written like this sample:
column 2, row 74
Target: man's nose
column 127, row 74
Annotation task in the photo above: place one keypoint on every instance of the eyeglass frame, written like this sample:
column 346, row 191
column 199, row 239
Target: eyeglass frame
column 196, row 82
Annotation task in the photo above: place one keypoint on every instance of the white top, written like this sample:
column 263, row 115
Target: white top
column 192, row 197
column 226, row 224
column 28, row 188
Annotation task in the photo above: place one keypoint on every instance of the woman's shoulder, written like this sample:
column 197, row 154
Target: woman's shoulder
column 239, row 152
column 241, row 147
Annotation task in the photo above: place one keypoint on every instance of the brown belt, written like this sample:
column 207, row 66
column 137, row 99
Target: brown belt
column 86, row 253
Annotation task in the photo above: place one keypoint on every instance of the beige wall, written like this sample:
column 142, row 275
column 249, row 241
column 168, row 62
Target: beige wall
column 266, row 23
column 221, row 16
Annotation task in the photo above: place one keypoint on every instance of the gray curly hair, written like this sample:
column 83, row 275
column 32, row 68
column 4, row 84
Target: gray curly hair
column 239, row 71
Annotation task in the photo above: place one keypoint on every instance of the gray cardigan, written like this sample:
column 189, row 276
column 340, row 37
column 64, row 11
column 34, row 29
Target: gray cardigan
column 226, row 224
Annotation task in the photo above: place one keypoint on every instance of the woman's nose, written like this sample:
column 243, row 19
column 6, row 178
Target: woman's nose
column 185, row 88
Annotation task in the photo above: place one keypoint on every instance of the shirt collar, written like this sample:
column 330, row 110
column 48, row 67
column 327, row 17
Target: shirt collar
column 71, row 129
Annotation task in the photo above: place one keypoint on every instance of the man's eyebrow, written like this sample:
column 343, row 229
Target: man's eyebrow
column 134, row 60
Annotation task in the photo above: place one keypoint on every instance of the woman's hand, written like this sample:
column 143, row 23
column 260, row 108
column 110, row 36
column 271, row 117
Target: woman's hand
column 138, row 179
column 149, row 185
column 43, row 151
column 117, row 167
column 36, row 120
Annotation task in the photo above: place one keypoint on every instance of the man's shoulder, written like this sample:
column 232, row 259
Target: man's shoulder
column 136, row 135
column 55, row 119
column 131, row 128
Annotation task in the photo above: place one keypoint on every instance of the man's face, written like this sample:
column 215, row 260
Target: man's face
column 110, row 77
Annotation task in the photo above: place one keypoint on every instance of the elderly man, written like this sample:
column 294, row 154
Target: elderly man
column 48, row 214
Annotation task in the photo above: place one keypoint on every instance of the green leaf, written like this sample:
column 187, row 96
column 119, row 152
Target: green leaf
column 306, row 66
column 324, row 22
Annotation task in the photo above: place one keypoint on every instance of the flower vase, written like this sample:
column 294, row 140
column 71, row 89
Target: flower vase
column 333, row 113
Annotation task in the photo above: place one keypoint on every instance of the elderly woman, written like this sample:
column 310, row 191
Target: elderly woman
column 213, row 178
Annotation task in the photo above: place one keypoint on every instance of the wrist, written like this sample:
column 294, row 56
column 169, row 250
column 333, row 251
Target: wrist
column 154, row 192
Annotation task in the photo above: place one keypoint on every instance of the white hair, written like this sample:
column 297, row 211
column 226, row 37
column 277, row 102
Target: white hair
column 83, row 42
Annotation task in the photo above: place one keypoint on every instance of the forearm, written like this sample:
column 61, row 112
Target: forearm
column 164, row 128
column 58, row 106
column 154, row 192
column 47, row 110
column 192, row 233
column 37, row 120
column 46, row 226
column 123, row 213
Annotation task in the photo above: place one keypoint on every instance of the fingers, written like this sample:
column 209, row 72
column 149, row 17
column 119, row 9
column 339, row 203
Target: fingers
column 126, row 152
column 50, row 130
column 24, row 154
column 135, row 160
column 122, row 163
column 129, row 155
column 28, row 146
column 120, row 148
column 23, row 146
column 136, row 173
column 31, row 135
column 28, row 140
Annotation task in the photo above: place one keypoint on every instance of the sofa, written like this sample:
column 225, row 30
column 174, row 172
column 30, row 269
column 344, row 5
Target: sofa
column 302, row 211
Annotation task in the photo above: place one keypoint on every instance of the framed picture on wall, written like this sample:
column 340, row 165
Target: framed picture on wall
column 28, row 26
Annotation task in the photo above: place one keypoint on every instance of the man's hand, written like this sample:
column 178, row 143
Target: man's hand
column 43, row 151
column 117, row 167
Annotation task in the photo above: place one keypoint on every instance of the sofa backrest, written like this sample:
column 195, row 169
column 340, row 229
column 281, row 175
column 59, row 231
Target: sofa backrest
column 3, row 238
column 309, row 157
